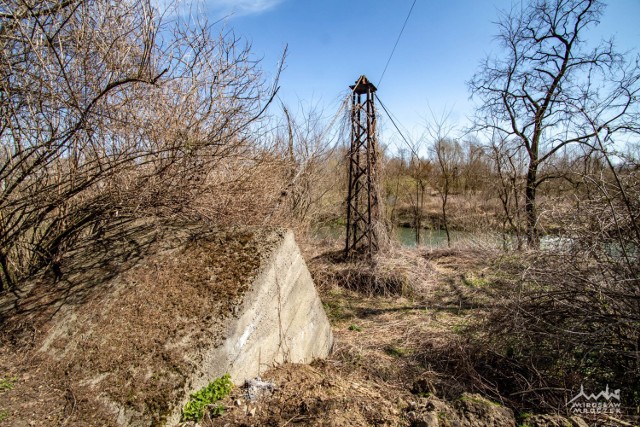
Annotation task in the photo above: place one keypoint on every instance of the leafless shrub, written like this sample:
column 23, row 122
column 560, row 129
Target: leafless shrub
column 108, row 111
column 314, row 166
column 573, row 315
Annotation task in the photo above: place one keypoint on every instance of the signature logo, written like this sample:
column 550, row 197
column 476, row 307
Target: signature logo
column 601, row 403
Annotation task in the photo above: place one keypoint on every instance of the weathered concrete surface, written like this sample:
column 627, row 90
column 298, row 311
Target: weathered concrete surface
column 281, row 319
column 154, row 313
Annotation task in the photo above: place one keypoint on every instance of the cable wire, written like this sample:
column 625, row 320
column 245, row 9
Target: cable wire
column 397, row 41
column 406, row 141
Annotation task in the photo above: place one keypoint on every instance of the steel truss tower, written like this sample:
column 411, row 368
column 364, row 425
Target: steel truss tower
column 362, row 198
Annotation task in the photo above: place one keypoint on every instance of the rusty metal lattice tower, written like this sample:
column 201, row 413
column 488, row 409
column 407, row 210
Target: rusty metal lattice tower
column 362, row 198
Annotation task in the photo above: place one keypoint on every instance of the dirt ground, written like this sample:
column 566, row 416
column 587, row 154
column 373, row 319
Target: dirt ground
column 400, row 328
column 380, row 371
column 401, row 355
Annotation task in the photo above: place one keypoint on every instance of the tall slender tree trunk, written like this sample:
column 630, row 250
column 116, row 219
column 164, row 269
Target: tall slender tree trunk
column 533, row 237
column 516, row 224
column 417, row 220
column 444, row 216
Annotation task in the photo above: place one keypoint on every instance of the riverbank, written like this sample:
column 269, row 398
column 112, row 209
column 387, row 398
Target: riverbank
column 468, row 336
column 406, row 348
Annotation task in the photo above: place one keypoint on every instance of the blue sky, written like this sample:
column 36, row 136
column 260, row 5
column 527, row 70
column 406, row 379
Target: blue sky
column 332, row 42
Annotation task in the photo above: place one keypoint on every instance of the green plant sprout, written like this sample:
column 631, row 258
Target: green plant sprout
column 206, row 398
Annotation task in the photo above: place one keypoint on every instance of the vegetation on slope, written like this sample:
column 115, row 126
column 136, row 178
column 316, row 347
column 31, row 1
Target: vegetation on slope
column 113, row 118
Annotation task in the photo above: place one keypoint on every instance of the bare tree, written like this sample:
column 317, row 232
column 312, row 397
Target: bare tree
column 395, row 169
column 448, row 158
column 509, row 170
column 547, row 82
column 420, row 171
column 475, row 168
column 108, row 112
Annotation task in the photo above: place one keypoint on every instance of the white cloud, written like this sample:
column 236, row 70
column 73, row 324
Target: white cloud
column 214, row 8
column 241, row 7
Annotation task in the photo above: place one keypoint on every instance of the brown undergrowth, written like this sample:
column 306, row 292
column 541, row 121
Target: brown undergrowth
column 409, row 355
column 396, row 322
column 413, row 344
column 71, row 367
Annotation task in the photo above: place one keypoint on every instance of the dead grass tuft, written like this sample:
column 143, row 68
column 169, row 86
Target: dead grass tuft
column 395, row 272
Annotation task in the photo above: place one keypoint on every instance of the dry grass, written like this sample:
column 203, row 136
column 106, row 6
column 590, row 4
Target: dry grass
column 424, row 347
column 394, row 348
column 397, row 271
column 409, row 332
